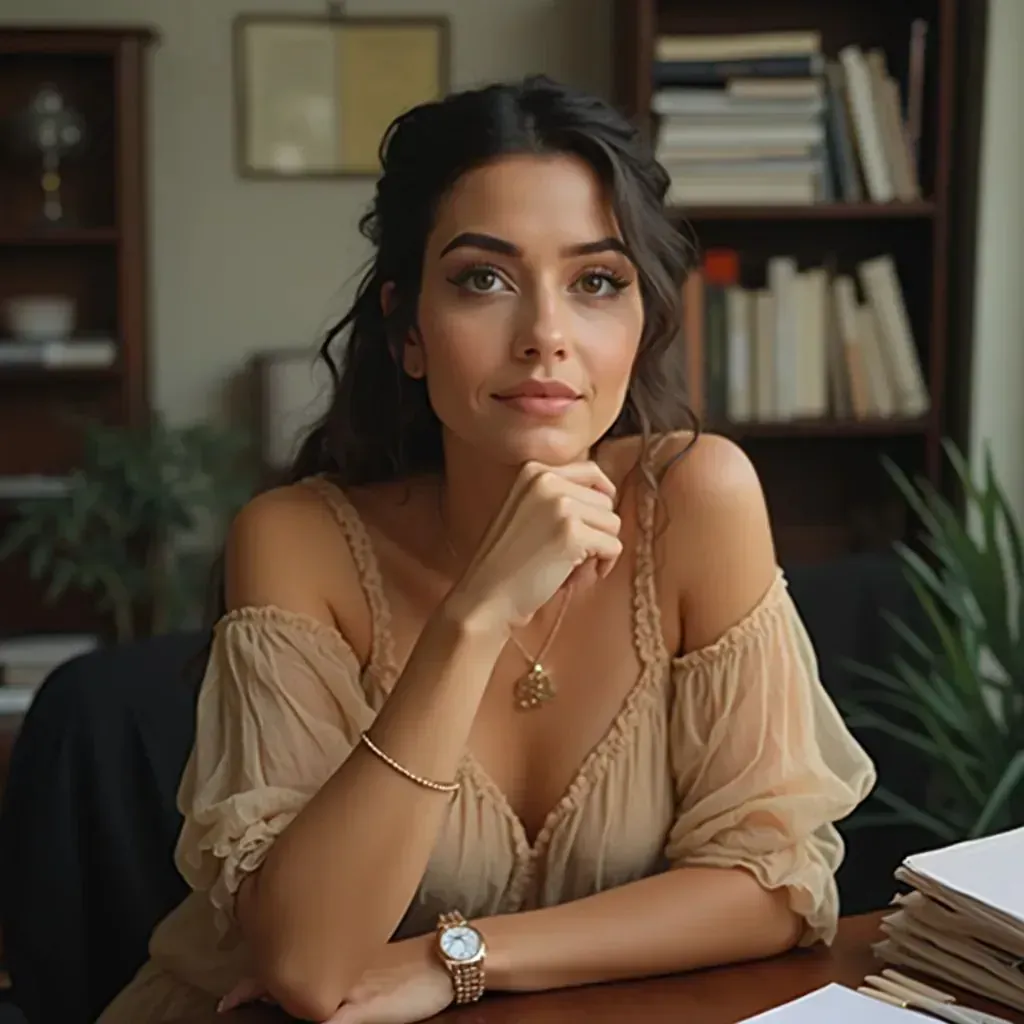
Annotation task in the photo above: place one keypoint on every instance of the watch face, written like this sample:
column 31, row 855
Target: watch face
column 460, row 943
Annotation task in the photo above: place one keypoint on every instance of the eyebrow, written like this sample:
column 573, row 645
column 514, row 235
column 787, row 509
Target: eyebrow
column 489, row 243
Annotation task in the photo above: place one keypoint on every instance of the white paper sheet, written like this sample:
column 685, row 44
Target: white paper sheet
column 836, row 1004
column 987, row 870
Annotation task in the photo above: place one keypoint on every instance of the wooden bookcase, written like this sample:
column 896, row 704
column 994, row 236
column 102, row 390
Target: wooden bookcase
column 826, row 487
column 98, row 257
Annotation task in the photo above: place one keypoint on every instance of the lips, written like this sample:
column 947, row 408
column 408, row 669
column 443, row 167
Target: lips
column 541, row 389
column 547, row 399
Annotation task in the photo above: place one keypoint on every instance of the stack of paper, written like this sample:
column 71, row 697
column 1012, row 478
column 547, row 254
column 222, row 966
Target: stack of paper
column 835, row 1004
column 963, row 920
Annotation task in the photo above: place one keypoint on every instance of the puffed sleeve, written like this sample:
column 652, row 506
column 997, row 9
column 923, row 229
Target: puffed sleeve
column 280, row 708
column 763, row 763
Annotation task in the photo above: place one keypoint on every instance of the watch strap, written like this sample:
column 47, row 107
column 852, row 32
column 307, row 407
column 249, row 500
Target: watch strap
column 468, row 982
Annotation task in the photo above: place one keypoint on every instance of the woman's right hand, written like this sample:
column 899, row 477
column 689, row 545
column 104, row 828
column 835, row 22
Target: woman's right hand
column 556, row 521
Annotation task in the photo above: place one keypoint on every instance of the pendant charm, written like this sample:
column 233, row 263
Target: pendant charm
column 534, row 689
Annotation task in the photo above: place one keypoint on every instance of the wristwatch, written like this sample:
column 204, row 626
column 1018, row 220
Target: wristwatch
column 462, row 950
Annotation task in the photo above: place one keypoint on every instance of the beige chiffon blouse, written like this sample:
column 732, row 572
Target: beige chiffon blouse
column 731, row 755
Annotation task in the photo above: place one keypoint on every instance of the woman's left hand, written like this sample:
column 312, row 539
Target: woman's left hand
column 404, row 985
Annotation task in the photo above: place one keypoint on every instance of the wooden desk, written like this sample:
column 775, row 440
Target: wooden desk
column 724, row 995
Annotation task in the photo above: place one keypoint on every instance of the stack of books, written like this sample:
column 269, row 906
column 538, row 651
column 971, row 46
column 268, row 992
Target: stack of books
column 26, row 662
column 809, row 345
column 962, row 920
column 766, row 118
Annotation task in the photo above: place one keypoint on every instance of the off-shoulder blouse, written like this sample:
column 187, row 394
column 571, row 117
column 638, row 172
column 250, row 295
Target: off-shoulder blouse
column 732, row 755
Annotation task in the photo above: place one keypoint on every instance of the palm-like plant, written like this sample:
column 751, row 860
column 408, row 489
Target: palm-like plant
column 955, row 692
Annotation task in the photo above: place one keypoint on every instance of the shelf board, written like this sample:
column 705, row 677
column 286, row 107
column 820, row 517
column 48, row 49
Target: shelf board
column 70, row 236
column 922, row 210
column 890, row 427
column 58, row 374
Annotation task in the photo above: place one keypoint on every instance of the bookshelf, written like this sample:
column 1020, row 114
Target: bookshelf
column 820, row 459
column 93, row 253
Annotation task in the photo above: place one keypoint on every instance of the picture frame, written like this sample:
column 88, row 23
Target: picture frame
column 315, row 94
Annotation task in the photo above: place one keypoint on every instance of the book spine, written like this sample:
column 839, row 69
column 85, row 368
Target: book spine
column 709, row 72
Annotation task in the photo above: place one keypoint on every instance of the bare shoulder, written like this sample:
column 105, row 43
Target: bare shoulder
column 717, row 535
column 286, row 549
column 707, row 473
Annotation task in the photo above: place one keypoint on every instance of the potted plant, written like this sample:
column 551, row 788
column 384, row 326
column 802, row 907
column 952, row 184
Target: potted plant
column 955, row 692
column 140, row 520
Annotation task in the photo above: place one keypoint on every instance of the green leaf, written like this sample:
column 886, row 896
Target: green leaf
column 64, row 573
column 911, row 815
column 1000, row 797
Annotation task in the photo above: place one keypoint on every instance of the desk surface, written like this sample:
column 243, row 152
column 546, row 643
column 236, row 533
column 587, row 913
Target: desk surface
column 724, row 995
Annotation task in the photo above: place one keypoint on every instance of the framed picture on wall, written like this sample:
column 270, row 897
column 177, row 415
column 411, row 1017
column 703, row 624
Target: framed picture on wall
column 314, row 95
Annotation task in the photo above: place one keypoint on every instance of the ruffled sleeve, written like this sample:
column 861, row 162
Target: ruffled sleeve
column 280, row 708
column 763, row 763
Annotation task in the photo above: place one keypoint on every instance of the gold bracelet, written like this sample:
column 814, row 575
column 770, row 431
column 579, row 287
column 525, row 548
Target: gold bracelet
column 438, row 787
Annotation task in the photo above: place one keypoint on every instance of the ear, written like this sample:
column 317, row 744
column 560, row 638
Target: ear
column 413, row 357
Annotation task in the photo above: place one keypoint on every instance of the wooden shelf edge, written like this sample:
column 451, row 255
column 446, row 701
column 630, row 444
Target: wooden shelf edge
column 62, row 374
column 71, row 236
column 890, row 427
column 923, row 210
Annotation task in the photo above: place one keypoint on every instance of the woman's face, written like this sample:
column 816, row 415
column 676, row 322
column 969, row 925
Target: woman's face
column 530, row 312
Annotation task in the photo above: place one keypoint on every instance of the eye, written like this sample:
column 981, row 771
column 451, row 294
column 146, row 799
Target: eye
column 479, row 280
column 601, row 284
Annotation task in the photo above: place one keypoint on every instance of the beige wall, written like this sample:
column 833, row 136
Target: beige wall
column 997, row 404
column 239, row 266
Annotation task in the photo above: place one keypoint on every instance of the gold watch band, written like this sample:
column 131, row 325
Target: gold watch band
column 468, row 980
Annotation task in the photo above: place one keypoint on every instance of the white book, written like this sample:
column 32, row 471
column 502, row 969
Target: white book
column 782, row 274
column 764, row 356
column 877, row 370
column 768, row 133
column 739, row 342
column 685, row 102
column 866, row 125
column 812, row 344
column 740, row 46
column 863, row 404
column 882, row 289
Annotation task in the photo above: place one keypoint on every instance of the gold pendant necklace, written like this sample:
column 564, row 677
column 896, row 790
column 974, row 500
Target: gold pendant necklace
column 536, row 687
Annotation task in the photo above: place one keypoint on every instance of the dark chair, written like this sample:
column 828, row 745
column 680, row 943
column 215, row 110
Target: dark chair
column 842, row 604
column 89, row 823
column 89, row 820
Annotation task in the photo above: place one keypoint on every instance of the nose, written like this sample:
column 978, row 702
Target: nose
column 542, row 333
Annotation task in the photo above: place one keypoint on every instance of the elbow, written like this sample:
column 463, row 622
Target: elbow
column 785, row 926
column 305, row 985
column 788, row 932
column 303, row 994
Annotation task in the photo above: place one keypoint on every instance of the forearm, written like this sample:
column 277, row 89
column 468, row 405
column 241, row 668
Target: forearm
column 676, row 921
column 363, row 841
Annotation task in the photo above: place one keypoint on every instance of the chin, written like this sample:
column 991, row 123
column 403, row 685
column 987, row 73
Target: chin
column 549, row 446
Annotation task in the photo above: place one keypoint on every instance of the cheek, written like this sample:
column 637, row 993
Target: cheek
column 466, row 344
column 609, row 348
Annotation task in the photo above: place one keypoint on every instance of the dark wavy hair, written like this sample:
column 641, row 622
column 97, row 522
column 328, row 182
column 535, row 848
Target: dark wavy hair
column 380, row 424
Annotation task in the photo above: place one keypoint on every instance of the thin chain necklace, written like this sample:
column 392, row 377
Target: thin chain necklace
column 536, row 687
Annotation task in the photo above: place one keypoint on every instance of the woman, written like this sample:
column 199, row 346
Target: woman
column 510, row 694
